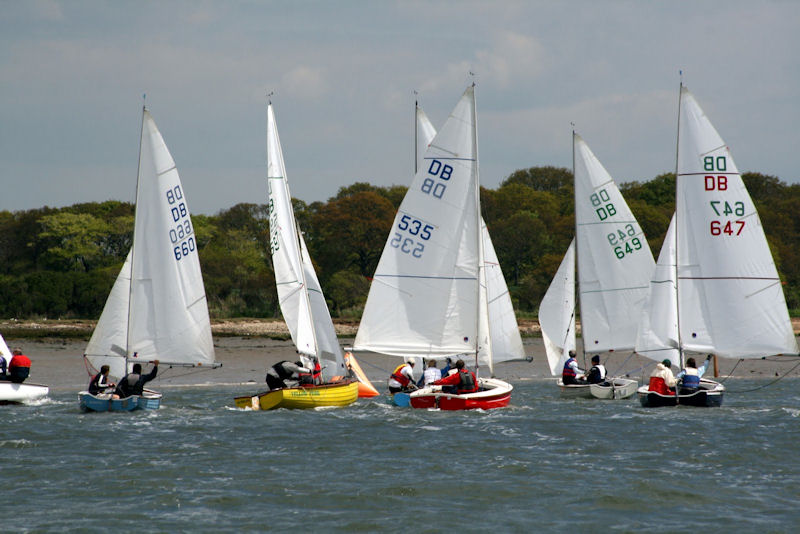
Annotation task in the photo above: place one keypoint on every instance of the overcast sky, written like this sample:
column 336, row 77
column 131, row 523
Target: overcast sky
column 72, row 75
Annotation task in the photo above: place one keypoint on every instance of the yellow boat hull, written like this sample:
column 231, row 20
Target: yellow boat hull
column 336, row 394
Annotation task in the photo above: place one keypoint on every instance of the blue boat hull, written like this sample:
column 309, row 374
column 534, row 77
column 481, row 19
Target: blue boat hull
column 151, row 400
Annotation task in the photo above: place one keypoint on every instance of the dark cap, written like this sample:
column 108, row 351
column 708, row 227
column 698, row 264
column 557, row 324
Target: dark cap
column 666, row 363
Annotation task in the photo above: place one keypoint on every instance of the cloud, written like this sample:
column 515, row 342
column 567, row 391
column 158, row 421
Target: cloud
column 305, row 82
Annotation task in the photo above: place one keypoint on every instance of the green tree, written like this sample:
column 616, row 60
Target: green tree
column 73, row 240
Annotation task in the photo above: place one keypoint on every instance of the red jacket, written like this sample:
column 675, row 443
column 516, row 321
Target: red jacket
column 455, row 380
column 19, row 360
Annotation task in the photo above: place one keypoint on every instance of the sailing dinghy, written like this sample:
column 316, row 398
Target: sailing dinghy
column 157, row 307
column 15, row 393
column 301, row 300
column 614, row 264
column 429, row 295
column 716, row 288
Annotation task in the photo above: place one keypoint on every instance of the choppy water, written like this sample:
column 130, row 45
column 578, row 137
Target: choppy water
column 544, row 464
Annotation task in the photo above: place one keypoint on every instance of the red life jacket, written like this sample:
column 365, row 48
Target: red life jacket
column 315, row 376
column 19, row 360
column 657, row 385
column 397, row 375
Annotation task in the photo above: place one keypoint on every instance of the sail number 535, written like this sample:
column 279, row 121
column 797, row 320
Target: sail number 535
column 415, row 227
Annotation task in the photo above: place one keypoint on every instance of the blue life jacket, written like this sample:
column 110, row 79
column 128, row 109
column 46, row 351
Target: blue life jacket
column 690, row 381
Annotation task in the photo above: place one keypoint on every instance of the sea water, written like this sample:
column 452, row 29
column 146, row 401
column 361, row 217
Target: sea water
column 542, row 464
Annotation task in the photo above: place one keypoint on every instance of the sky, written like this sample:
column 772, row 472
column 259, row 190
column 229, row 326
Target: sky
column 345, row 74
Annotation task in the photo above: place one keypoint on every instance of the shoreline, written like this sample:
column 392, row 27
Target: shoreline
column 238, row 327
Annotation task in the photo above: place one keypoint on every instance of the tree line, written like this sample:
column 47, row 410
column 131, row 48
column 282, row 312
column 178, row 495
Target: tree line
column 62, row 262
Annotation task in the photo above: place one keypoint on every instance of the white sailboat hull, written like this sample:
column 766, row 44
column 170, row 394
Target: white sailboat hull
column 616, row 388
column 11, row 393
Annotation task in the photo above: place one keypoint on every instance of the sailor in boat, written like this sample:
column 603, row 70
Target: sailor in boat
column 285, row 374
column 133, row 383
column 662, row 380
column 597, row 374
column 402, row 378
column 19, row 367
column 572, row 374
column 3, row 367
column 448, row 368
column 462, row 381
column 100, row 384
column 313, row 377
column 689, row 378
column 431, row 374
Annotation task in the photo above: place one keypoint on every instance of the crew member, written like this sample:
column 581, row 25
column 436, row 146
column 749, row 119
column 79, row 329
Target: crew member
column 285, row 374
column 662, row 380
column 133, row 383
column 99, row 383
column 597, row 373
column 690, row 376
column 402, row 378
column 431, row 374
column 313, row 377
column 463, row 380
column 572, row 374
column 19, row 367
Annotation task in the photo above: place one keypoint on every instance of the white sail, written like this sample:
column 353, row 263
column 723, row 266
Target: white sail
column 503, row 327
column 504, row 337
column 424, row 297
column 109, row 341
column 423, row 136
column 730, row 295
column 164, row 315
column 614, row 260
column 299, row 293
column 657, row 337
column 4, row 352
column 557, row 313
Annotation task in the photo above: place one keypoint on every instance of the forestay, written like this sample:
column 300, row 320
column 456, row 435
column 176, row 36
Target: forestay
column 657, row 337
column 614, row 260
column 730, row 295
column 299, row 293
column 165, row 311
column 557, row 313
column 424, row 297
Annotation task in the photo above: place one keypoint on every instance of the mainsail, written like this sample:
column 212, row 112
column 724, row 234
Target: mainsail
column 614, row 259
column 425, row 295
column 501, row 321
column 157, row 307
column 730, row 298
column 300, row 296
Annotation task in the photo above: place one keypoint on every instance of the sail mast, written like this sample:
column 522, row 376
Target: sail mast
column 416, row 150
column 677, row 219
column 133, row 241
column 483, row 309
column 577, row 278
